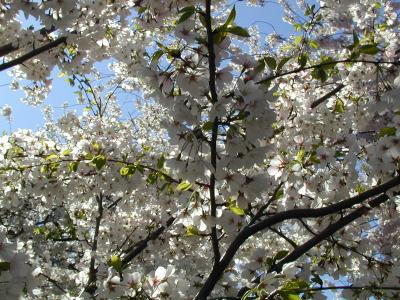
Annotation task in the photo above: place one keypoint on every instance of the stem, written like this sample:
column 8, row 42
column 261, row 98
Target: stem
column 328, row 231
column 91, row 285
column 251, row 230
column 214, row 134
column 33, row 53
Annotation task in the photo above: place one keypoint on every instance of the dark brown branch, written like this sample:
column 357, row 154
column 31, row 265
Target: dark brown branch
column 328, row 231
column 342, row 287
column 214, row 134
column 136, row 249
column 33, row 53
column 260, row 212
column 9, row 48
column 323, row 64
column 91, row 284
column 327, row 96
column 56, row 284
column 343, row 246
column 249, row 231
column 282, row 235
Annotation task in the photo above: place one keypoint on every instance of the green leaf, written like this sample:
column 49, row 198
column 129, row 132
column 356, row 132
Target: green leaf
column 313, row 44
column 4, row 266
column 219, row 36
column 174, row 53
column 387, row 131
column 184, row 186
column 302, row 60
column 237, row 30
column 115, row 262
column 237, row 210
column 316, row 278
column 191, row 231
column 281, row 254
column 231, row 17
column 124, row 171
column 66, row 152
column 271, row 62
column 289, row 296
column 370, row 49
column 99, row 161
column 152, row 178
column 186, row 9
column 208, row 126
column 319, row 73
column 141, row 10
column 298, row 26
column 160, row 162
column 156, row 56
column 73, row 166
column 300, row 155
column 52, row 156
column 279, row 194
column 356, row 40
column 96, row 147
column 186, row 15
column 282, row 63
column 202, row 19
column 339, row 106
column 298, row 40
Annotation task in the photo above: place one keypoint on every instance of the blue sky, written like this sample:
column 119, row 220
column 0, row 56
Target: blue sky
column 25, row 116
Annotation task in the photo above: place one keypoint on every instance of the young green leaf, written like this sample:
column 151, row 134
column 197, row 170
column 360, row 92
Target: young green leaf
column 191, row 230
column 186, row 15
column 116, row 263
column 371, row 49
column 282, row 63
column 237, row 210
column 156, row 56
column 184, row 186
column 387, row 131
column 231, row 17
column 271, row 62
column 281, row 254
column 99, row 161
column 73, row 166
column 237, row 30
column 339, row 106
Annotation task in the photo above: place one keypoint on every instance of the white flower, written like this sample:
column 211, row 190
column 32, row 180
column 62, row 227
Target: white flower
column 6, row 111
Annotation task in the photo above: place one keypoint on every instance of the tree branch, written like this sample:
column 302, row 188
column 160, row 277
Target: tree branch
column 328, row 231
column 327, row 288
column 91, row 284
column 323, row 64
column 136, row 249
column 249, row 231
column 214, row 134
column 9, row 48
column 33, row 53
column 327, row 96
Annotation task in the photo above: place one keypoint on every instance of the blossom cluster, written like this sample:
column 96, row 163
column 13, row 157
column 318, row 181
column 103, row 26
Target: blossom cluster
column 232, row 135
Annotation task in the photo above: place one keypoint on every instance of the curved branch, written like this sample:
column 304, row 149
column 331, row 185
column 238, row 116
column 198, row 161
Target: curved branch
column 327, row 288
column 328, row 231
column 249, row 231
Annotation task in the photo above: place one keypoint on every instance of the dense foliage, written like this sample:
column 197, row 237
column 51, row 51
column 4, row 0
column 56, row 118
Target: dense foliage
column 256, row 168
